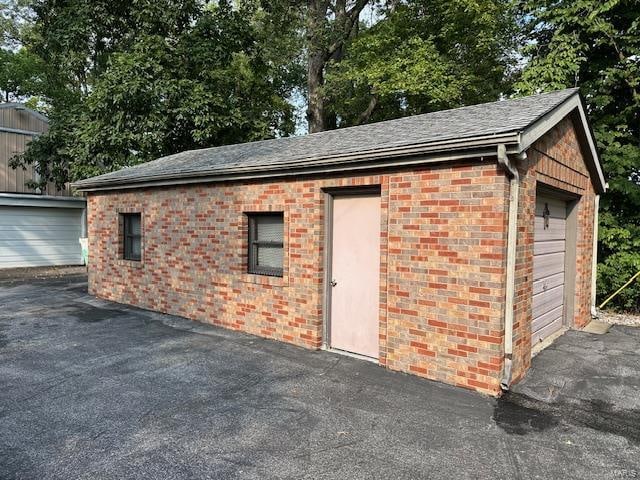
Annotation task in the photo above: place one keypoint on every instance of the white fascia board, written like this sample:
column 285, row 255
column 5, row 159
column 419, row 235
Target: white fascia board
column 550, row 120
column 48, row 201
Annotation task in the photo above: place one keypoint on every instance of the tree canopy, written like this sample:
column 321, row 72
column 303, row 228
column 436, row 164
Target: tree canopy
column 424, row 56
column 125, row 82
column 595, row 45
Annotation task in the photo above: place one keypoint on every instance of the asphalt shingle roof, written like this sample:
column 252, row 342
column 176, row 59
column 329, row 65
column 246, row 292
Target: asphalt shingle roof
column 495, row 118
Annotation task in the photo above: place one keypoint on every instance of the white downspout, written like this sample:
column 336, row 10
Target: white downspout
column 594, row 256
column 512, row 231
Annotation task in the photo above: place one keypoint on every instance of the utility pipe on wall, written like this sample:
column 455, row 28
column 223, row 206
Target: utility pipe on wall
column 594, row 256
column 512, row 231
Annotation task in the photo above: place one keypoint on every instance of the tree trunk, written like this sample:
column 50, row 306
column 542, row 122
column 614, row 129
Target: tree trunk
column 343, row 26
column 366, row 115
column 316, row 115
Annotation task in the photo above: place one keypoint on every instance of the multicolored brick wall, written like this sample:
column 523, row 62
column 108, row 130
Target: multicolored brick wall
column 443, row 256
column 555, row 160
column 447, row 242
column 442, row 249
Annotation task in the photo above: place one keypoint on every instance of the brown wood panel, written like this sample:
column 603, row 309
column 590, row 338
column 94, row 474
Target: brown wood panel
column 22, row 120
column 13, row 180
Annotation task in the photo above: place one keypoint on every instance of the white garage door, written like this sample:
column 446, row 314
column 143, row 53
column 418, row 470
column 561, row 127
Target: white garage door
column 36, row 236
column 548, row 267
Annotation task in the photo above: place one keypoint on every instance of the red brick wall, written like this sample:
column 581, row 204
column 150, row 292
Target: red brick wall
column 447, row 244
column 443, row 245
column 442, row 255
column 555, row 160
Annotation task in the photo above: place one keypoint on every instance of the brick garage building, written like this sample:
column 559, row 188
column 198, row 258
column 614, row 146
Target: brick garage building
column 443, row 245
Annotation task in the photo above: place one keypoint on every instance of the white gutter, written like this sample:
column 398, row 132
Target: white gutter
column 512, row 231
column 594, row 256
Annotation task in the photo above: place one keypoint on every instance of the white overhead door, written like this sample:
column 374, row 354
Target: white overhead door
column 37, row 236
column 548, row 267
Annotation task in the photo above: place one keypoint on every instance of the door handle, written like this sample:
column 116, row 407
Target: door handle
column 333, row 283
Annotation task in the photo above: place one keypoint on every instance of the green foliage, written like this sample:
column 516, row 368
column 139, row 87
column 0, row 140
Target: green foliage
column 595, row 44
column 209, row 87
column 613, row 273
column 424, row 56
column 133, row 81
column 620, row 260
column 20, row 74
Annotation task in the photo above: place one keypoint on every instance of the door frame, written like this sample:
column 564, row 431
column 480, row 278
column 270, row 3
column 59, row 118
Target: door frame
column 329, row 194
column 571, row 238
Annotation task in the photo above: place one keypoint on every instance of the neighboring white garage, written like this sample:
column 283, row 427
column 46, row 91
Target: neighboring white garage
column 38, row 226
column 40, row 231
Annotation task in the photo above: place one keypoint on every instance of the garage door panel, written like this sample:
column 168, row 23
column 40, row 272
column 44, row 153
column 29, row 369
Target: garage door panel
column 547, row 265
column 39, row 261
column 545, row 327
column 549, row 246
column 547, row 318
column 40, row 249
column 38, row 233
column 547, row 283
column 556, row 230
column 557, row 208
column 28, row 220
column 31, row 236
column 548, row 300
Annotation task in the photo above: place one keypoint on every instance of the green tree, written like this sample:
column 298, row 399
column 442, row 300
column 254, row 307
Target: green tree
column 424, row 56
column 595, row 45
column 329, row 26
column 20, row 74
column 131, row 81
column 209, row 87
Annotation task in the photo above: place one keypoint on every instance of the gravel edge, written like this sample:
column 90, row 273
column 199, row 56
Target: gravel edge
column 614, row 318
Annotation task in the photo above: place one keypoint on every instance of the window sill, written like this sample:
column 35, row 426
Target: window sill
column 265, row 280
column 129, row 263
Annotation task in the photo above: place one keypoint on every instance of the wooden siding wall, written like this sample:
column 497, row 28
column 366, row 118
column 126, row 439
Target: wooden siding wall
column 22, row 120
column 14, row 180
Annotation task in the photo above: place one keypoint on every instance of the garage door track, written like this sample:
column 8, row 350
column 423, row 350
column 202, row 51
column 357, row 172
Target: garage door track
column 92, row 389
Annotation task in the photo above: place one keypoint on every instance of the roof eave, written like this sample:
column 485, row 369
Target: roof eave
column 399, row 156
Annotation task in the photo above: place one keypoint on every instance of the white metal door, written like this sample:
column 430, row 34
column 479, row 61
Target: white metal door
column 548, row 267
column 355, row 268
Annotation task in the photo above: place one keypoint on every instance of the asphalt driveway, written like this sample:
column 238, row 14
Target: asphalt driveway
column 92, row 389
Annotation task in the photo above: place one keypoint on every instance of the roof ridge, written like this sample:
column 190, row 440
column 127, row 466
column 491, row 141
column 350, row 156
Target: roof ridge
column 352, row 127
column 461, row 127
column 500, row 101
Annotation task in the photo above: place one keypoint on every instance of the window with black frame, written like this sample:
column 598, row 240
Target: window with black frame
column 266, row 243
column 132, row 238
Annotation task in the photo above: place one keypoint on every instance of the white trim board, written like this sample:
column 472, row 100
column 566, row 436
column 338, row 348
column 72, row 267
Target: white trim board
column 25, row 200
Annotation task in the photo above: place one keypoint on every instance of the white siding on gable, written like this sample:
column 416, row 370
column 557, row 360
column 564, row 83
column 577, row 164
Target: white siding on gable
column 36, row 236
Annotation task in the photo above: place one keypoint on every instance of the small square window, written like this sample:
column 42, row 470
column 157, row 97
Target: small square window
column 266, row 243
column 132, row 238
